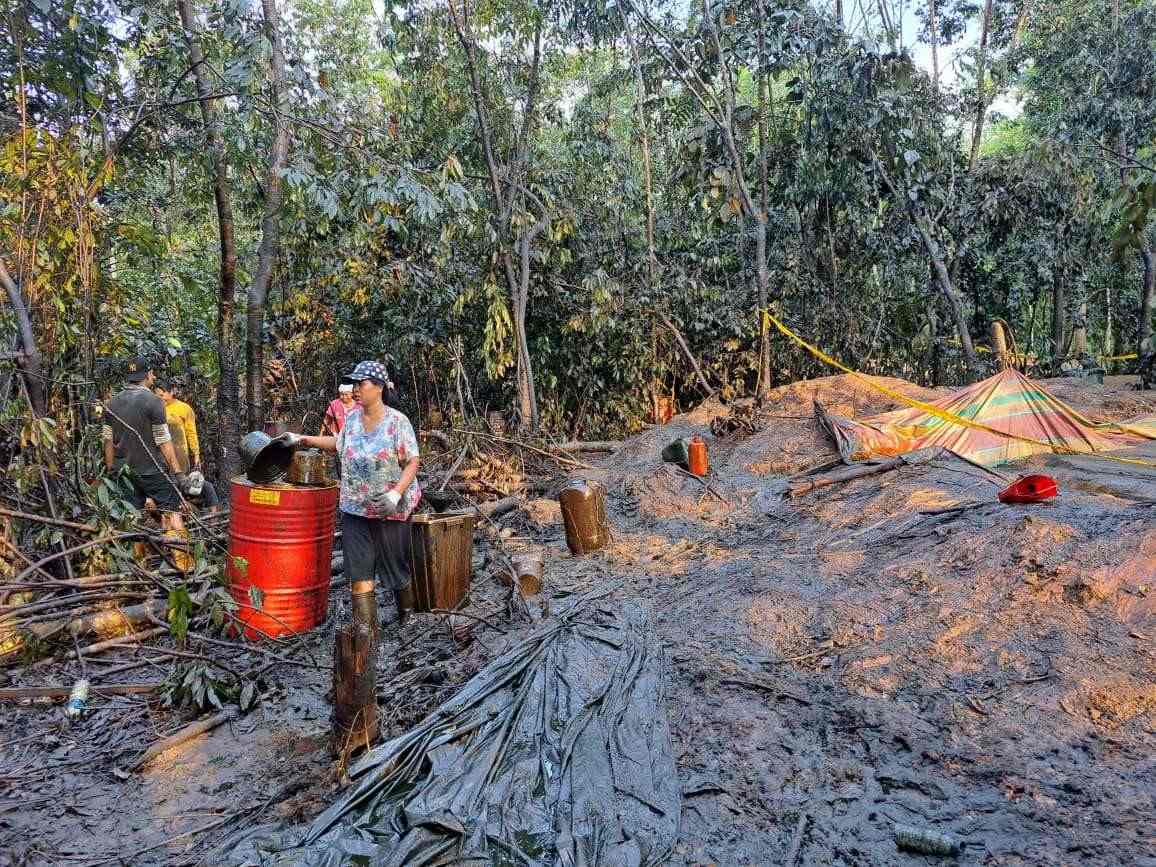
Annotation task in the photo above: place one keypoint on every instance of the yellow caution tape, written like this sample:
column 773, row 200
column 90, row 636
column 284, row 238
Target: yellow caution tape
column 931, row 409
column 1127, row 357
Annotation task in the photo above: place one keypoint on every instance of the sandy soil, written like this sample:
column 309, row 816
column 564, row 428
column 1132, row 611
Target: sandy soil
column 901, row 648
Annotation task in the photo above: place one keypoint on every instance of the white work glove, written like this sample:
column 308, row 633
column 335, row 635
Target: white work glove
column 387, row 504
column 288, row 438
column 196, row 483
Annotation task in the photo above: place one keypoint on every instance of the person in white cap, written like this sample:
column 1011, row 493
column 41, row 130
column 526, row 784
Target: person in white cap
column 338, row 408
column 378, row 452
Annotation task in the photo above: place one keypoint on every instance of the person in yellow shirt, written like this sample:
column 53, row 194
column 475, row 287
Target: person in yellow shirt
column 182, row 421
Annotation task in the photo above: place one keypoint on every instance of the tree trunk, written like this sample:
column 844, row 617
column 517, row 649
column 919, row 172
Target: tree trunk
column 29, row 361
column 1148, row 298
column 270, row 223
column 764, row 209
column 980, row 95
column 763, row 280
column 933, row 24
column 644, row 135
column 1059, row 323
column 228, row 409
column 1080, row 332
column 681, row 341
column 942, row 276
column 506, row 186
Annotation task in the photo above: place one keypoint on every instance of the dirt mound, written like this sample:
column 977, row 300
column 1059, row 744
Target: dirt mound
column 789, row 440
column 1116, row 400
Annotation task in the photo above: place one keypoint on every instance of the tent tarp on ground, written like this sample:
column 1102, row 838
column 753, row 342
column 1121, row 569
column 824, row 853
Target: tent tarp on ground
column 1013, row 418
column 556, row 754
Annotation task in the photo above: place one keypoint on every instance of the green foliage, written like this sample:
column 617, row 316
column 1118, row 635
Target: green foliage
column 180, row 606
column 390, row 245
column 192, row 686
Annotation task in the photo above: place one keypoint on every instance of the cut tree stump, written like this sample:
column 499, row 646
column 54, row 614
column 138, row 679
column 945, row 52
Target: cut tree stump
column 354, row 690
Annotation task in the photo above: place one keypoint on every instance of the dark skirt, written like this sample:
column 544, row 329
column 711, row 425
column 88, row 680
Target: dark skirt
column 376, row 546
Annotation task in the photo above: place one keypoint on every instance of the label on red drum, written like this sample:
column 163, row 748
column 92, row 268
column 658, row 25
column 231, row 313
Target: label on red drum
column 264, row 498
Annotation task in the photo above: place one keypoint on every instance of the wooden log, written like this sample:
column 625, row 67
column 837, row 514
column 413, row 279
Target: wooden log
column 590, row 446
column 355, row 720
column 183, row 736
column 117, row 621
column 499, row 507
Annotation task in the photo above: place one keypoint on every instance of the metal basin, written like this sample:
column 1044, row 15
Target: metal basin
column 265, row 461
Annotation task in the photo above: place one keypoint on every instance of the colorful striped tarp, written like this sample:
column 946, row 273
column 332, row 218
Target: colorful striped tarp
column 1022, row 418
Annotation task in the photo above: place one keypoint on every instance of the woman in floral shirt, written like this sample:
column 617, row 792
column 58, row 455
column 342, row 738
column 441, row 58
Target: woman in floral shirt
column 379, row 490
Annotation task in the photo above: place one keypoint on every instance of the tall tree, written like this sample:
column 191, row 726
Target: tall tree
column 271, row 220
column 518, row 216
column 1104, row 110
column 228, row 384
column 715, row 88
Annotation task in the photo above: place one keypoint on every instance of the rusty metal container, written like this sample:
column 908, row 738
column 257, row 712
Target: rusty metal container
column 442, row 559
column 529, row 569
column 663, row 409
column 309, row 467
column 584, row 514
column 281, row 544
column 697, row 460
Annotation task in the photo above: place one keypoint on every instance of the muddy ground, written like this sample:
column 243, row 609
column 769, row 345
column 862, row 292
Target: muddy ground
column 900, row 648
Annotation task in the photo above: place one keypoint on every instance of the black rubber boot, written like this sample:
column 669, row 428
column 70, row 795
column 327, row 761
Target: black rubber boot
column 364, row 610
column 404, row 600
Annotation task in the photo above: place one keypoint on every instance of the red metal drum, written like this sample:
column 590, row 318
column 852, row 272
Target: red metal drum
column 280, row 542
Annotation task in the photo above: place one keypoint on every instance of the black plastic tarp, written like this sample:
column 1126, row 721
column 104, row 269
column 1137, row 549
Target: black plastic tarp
column 557, row 753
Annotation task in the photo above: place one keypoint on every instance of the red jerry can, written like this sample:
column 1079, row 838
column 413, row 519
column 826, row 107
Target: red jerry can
column 1029, row 489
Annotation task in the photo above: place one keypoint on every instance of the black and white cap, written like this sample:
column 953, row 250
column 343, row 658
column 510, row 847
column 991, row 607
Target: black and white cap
column 369, row 370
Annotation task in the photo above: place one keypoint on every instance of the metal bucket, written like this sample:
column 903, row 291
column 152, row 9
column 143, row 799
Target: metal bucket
column 309, row 467
column 584, row 514
column 265, row 461
column 529, row 569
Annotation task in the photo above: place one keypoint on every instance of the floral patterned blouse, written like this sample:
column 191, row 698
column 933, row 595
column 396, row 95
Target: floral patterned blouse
column 371, row 464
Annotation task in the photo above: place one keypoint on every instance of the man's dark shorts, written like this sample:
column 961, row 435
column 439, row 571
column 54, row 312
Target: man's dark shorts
column 156, row 487
column 375, row 546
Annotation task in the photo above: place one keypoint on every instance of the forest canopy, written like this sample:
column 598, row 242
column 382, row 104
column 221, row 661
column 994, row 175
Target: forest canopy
column 562, row 211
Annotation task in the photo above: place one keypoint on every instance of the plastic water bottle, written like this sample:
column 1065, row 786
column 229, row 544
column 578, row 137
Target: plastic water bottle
column 77, row 700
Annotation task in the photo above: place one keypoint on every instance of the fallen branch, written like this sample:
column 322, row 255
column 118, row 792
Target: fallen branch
column 114, row 619
column 702, row 482
column 93, row 649
column 115, row 537
column 453, row 469
column 526, row 446
column 469, row 616
column 773, row 689
column 801, row 486
column 43, row 519
column 183, row 736
column 20, row 693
